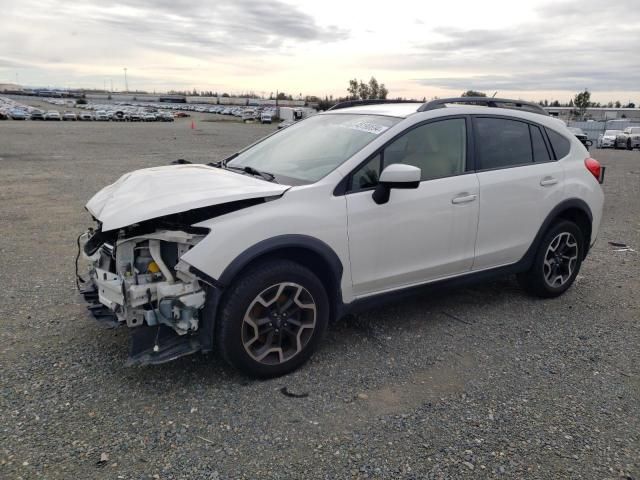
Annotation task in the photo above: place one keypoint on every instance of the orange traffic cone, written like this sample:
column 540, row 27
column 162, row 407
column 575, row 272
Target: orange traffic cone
column 193, row 125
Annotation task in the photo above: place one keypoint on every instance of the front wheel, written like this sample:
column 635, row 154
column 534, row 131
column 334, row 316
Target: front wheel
column 557, row 261
column 272, row 319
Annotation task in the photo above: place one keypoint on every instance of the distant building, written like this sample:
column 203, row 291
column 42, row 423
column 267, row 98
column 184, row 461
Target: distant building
column 595, row 113
column 173, row 99
column 10, row 87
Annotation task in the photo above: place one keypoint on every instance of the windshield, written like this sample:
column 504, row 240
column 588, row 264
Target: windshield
column 307, row 151
column 612, row 132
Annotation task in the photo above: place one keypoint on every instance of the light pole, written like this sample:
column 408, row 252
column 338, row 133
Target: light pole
column 126, row 84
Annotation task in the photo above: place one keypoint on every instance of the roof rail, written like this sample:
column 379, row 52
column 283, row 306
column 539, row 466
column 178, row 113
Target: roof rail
column 487, row 102
column 355, row 103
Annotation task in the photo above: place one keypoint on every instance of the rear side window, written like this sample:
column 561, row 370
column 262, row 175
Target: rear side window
column 540, row 152
column 502, row 143
column 560, row 145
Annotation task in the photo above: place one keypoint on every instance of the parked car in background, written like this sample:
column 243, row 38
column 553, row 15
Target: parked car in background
column 53, row 115
column 135, row 117
column 580, row 135
column 37, row 115
column 69, row 116
column 4, row 115
column 182, row 115
column 149, row 117
column 608, row 139
column 18, row 114
column 253, row 256
column 629, row 138
column 165, row 117
column 119, row 116
column 85, row 116
column 102, row 116
column 248, row 115
column 266, row 117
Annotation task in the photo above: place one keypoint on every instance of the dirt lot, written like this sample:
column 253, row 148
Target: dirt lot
column 482, row 382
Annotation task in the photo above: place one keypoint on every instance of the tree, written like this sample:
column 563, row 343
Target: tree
column 374, row 89
column 618, row 104
column 366, row 91
column 473, row 93
column 353, row 89
column 382, row 92
column 363, row 91
column 582, row 101
column 630, row 105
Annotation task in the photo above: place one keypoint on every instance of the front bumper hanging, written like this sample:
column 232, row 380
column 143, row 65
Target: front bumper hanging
column 169, row 317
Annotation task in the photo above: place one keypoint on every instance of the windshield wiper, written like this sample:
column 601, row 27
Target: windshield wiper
column 223, row 163
column 269, row 177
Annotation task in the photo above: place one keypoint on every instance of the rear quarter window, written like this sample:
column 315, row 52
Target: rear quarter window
column 559, row 143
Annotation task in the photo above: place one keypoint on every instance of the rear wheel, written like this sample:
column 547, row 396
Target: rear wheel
column 272, row 319
column 557, row 261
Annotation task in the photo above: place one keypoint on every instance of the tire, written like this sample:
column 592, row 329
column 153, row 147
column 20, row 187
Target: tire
column 275, row 291
column 542, row 278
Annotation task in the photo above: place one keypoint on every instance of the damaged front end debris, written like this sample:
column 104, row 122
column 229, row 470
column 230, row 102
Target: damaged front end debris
column 138, row 280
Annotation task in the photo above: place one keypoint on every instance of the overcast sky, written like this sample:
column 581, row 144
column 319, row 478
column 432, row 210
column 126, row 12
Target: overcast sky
column 532, row 49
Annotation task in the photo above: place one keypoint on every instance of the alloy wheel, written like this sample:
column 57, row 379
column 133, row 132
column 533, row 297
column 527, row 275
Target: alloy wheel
column 560, row 259
column 279, row 323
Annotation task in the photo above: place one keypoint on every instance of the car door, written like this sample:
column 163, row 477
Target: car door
column 420, row 234
column 520, row 183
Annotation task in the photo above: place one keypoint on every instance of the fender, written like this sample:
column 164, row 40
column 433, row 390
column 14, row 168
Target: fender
column 281, row 242
column 527, row 259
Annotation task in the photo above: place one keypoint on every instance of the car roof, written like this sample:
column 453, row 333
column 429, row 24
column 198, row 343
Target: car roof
column 401, row 110
column 404, row 110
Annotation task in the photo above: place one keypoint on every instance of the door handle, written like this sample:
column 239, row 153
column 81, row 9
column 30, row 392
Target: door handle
column 548, row 181
column 464, row 198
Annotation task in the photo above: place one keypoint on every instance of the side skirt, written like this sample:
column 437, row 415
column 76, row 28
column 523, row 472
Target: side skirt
column 374, row 301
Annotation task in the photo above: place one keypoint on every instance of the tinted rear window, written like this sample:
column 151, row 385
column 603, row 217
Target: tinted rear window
column 540, row 152
column 560, row 145
column 502, row 143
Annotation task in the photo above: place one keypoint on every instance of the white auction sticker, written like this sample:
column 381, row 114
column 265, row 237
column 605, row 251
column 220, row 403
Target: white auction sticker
column 368, row 127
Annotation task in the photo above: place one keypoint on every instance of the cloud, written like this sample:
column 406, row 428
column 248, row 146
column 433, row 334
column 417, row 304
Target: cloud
column 569, row 46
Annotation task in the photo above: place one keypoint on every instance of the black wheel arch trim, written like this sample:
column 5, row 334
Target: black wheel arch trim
column 282, row 242
column 556, row 212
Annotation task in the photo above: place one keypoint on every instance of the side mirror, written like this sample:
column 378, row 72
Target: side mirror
column 396, row 175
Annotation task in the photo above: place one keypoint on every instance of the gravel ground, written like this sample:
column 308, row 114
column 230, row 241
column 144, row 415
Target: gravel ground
column 482, row 382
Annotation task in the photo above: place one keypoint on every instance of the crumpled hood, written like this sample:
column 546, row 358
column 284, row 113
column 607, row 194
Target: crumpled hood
column 155, row 192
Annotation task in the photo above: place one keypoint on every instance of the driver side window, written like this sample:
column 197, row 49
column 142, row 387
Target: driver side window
column 437, row 148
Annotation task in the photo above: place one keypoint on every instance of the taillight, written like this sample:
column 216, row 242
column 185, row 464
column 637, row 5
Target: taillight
column 595, row 168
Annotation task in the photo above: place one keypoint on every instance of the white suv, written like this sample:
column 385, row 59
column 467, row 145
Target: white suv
column 253, row 256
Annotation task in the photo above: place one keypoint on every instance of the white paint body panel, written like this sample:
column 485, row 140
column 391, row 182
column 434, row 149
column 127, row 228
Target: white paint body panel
column 419, row 236
column 513, row 206
column 155, row 192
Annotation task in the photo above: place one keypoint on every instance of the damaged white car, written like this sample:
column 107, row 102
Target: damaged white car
column 252, row 256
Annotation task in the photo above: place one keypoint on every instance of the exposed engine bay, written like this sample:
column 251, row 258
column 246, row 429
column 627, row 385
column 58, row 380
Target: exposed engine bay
column 139, row 281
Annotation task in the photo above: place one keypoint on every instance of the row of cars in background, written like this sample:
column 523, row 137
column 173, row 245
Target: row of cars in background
column 628, row 138
column 262, row 113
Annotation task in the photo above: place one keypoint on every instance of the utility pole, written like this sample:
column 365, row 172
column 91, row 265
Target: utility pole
column 126, row 84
